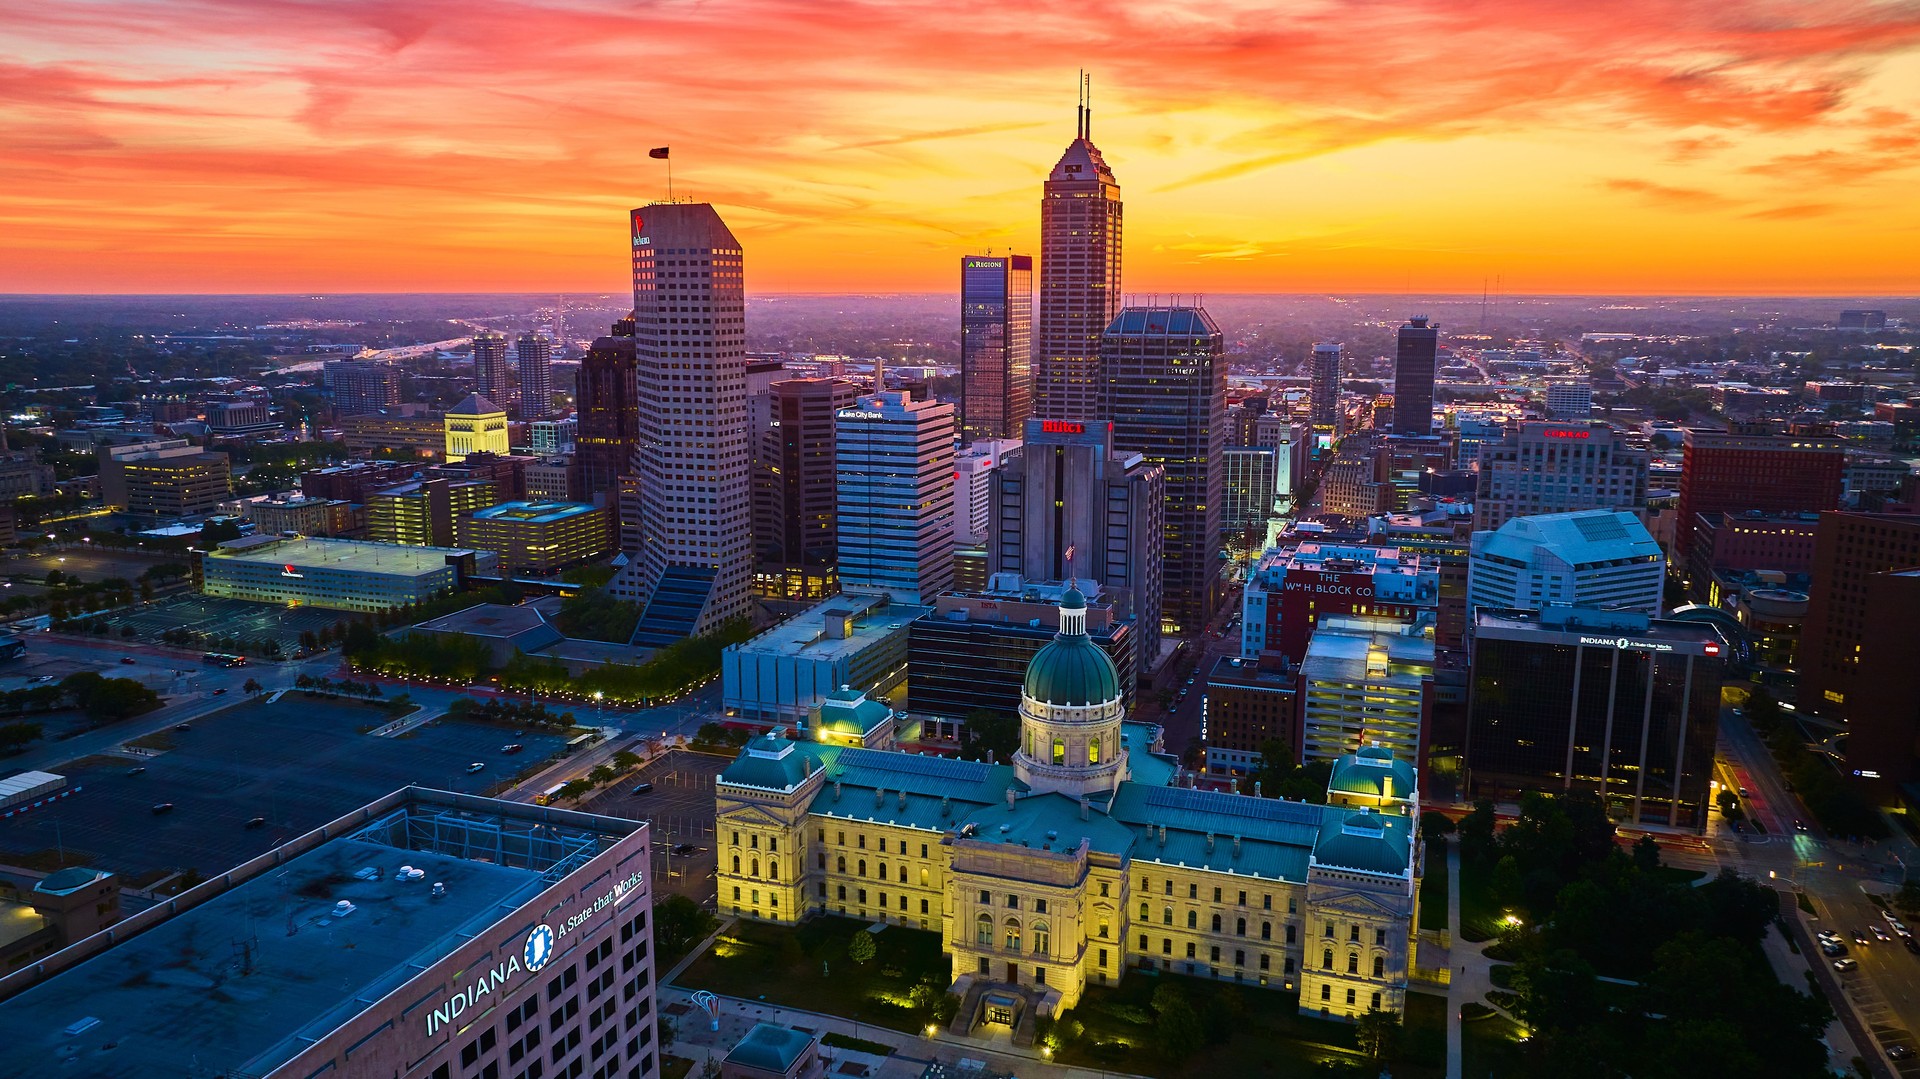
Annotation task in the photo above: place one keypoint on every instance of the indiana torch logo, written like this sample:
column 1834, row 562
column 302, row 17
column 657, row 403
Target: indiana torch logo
column 538, row 950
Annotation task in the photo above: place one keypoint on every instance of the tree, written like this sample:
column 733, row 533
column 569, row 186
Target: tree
column 1908, row 898
column 15, row 735
column 679, row 923
column 1377, row 1033
column 1477, row 842
column 990, row 732
column 1646, row 854
column 252, row 687
column 861, row 948
column 1179, row 1029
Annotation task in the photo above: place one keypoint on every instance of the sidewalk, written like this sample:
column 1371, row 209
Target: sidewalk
column 1461, row 988
column 1791, row 969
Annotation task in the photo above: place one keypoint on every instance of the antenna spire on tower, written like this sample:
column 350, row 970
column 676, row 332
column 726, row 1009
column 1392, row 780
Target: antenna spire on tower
column 1086, row 110
column 1080, row 106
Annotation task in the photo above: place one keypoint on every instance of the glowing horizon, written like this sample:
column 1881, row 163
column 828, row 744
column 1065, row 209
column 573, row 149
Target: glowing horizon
column 1645, row 147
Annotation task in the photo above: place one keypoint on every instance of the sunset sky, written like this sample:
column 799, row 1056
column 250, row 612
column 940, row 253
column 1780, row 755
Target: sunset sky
column 1643, row 146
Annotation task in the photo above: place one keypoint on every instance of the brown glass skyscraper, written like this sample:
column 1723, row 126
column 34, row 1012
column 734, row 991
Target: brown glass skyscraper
column 1413, row 364
column 996, row 345
column 608, row 415
column 1079, row 280
column 1166, row 384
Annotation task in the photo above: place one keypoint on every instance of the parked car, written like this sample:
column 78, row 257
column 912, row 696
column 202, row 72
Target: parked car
column 256, row 822
column 162, row 807
column 681, row 850
column 136, row 769
column 128, row 660
column 1889, row 916
column 1900, row 1052
column 476, row 766
column 511, row 748
column 1912, row 945
column 1833, row 947
column 1845, row 964
column 642, row 788
column 183, row 727
column 1880, row 934
column 219, row 691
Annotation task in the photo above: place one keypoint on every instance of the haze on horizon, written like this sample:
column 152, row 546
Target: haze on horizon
column 1645, row 147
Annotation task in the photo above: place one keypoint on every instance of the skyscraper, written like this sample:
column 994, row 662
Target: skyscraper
column 1558, row 468
column 533, row 355
column 609, row 416
column 694, row 562
column 490, row 376
column 894, row 456
column 1413, row 365
column 996, row 345
column 1066, row 489
column 1323, row 393
column 1166, row 385
column 794, row 505
column 1755, row 469
column 1079, row 280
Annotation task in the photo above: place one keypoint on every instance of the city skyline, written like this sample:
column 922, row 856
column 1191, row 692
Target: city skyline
column 1379, row 148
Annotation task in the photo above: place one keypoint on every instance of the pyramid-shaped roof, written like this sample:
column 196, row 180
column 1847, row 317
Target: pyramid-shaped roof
column 474, row 405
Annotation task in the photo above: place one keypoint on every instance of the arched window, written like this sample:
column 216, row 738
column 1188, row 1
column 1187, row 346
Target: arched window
column 1106, row 928
column 1166, row 915
column 983, row 931
column 1239, row 927
column 1353, row 962
column 756, row 867
column 1379, row 967
column 863, row 867
column 903, row 874
column 883, row 871
column 773, row 870
column 736, row 864
column 1326, row 959
column 1013, row 934
column 841, row 864
column 1059, row 751
column 1193, row 920
column 1093, row 751
column 1041, row 939
column 1146, row 913
column 1216, row 923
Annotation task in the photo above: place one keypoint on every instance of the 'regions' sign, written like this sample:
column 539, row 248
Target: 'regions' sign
column 542, row 942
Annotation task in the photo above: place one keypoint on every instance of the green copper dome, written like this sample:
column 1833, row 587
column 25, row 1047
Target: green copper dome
column 1072, row 670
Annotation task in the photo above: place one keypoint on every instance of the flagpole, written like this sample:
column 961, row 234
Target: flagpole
column 669, row 176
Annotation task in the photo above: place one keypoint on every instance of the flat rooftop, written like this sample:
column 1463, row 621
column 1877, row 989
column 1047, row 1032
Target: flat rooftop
column 806, row 633
column 535, row 512
column 309, row 552
column 243, row 982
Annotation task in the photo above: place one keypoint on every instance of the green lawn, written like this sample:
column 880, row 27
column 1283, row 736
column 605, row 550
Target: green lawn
column 1675, row 875
column 1433, row 888
column 1490, row 1049
column 1252, row 1031
column 1479, row 914
column 807, row 967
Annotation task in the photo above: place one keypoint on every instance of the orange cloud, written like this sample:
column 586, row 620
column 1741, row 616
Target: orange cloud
column 494, row 144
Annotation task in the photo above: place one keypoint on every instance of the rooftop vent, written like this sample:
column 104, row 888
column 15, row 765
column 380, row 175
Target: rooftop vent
column 342, row 909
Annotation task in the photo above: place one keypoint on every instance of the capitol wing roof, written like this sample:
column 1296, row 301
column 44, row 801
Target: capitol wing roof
column 1364, row 841
column 1049, row 822
column 1372, row 772
column 1275, row 836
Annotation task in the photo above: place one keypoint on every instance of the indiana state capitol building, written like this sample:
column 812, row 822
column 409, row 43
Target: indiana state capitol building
column 1080, row 859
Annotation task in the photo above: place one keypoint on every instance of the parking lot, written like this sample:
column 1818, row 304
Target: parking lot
column 228, row 618
column 680, row 808
column 88, row 564
column 298, row 763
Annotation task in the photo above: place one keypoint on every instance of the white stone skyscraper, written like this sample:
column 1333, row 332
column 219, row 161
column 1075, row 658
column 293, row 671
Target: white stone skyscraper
column 533, row 361
column 1079, row 280
column 687, row 513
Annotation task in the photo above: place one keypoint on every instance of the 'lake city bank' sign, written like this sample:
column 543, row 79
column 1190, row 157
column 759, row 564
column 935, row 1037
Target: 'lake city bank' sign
column 539, row 947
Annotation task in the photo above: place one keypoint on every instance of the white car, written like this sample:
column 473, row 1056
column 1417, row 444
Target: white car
column 477, row 766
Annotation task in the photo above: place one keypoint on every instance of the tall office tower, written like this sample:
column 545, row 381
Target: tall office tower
column 1754, row 470
column 1558, row 468
column 974, row 469
column 1413, row 366
column 608, row 409
column 894, row 456
column 794, row 518
column 1323, row 393
column 996, row 345
column 1569, row 397
column 1885, row 705
column 1166, row 387
column 362, row 386
column 694, row 563
column 1852, row 552
column 533, row 356
column 1067, row 489
column 1079, row 280
column 490, row 372
column 1602, row 559
column 1604, row 702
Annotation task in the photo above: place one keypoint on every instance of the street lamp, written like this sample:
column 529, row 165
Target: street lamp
column 597, row 695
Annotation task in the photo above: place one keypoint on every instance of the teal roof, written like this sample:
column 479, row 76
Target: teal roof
column 1149, row 769
column 1072, row 670
column 776, row 764
column 770, row 1048
column 1373, row 772
column 535, row 512
column 1275, row 835
column 1367, row 841
column 849, row 711
column 1048, row 822
column 67, row 880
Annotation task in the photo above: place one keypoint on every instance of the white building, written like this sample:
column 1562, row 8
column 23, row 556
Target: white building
column 1558, row 468
column 1594, row 558
column 1569, row 397
column 782, row 675
column 1364, row 683
column 973, row 488
column 894, row 460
